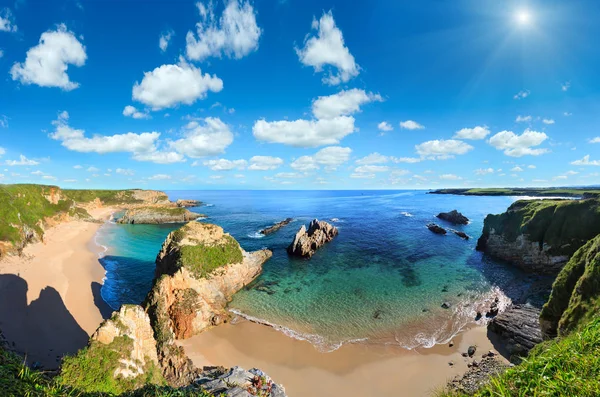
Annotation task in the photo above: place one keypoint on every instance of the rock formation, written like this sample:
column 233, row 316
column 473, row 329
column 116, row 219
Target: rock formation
column 276, row 227
column 306, row 243
column 540, row 235
column 454, row 217
column 436, row 229
column 460, row 234
column 519, row 327
column 158, row 215
column 188, row 203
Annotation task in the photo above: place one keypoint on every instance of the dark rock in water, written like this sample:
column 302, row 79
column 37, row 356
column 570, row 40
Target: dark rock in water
column 306, row 243
column 471, row 351
column 493, row 312
column 425, row 310
column 446, row 305
column 445, row 288
column 276, row 227
column 377, row 315
column 454, row 217
column 460, row 234
column 436, row 229
column 478, row 316
column 519, row 327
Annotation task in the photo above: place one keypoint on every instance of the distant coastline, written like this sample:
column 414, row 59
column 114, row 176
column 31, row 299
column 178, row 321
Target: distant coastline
column 532, row 192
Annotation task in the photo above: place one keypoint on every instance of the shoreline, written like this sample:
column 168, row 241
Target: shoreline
column 50, row 301
column 353, row 369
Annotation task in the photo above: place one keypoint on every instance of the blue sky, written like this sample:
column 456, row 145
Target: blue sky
column 281, row 94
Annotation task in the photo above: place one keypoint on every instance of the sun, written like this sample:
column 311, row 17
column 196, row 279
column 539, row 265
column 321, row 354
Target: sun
column 523, row 17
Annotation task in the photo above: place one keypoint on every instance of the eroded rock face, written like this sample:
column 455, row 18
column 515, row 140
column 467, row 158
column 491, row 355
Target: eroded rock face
column 307, row 242
column 519, row 326
column 158, row 215
column 187, row 203
column 151, row 196
column 133, row 322
column 454, row 217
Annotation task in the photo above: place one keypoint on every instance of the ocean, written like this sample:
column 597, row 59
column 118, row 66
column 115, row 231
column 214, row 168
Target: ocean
column 382, row 280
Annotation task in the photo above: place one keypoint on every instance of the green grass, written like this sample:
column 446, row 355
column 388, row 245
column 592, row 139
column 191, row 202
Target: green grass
column 567, row 366
column 108, row 197
column 563, row 192
column 565, row 225
column 575, row 297
column 203, row 259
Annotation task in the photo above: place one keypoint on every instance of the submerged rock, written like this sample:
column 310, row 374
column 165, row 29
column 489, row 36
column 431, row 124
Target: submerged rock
column 158, row 215
column 306, row 243
column 276, row 227
column 460, row 234
column 519, row 327
column 188, row 203
column 454, row 217
column 436, row 229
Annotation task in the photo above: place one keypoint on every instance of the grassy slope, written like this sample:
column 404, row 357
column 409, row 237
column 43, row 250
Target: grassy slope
column 564, row 192
column 565, row 225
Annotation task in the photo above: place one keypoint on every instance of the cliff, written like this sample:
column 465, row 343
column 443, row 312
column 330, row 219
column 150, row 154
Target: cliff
column 158, row 215
column 540, row 235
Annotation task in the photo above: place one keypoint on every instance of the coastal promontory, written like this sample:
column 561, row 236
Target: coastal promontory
column 307, row 242
column 158, row 215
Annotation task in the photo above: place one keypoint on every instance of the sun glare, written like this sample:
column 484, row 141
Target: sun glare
column 523, row 17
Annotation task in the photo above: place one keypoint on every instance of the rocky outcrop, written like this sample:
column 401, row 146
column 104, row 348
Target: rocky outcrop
column 188, row 203
column 306, row 243
column 276, row 227
column 540, row 235
column 460, row 234
column 454, row 217
column 148, row 196
column 519, row 327
column 436, row 228
column 478, row 374
column 158, row 215
column 575, row 297
column 239, row 383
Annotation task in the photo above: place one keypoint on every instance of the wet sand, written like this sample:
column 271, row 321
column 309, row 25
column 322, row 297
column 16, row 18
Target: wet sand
column 50, row 296
column 353, row 370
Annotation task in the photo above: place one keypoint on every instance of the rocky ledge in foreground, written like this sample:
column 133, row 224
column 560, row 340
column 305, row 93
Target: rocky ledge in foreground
column 188, row 203
column 307, row 242
column 158, row 215
column 453, row 217
column 519, row 327
column 276, row 227
column 478, row 374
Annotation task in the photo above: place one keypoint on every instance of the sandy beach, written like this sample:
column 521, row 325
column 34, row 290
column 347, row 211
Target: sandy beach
column 352, row 370
column 50, row 296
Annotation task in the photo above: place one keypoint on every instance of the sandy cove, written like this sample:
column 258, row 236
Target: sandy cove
column 50, row 296
column 352, row 370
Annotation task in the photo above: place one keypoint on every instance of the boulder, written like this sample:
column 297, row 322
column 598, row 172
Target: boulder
column 307, row 242
column 454, row 217
column 436, row 229
column 276, row 227
column 519, row 327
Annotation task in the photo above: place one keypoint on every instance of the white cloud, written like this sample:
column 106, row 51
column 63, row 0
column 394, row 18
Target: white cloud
column 77, row 167
column 531, row 166
column 235, row 34
column 344, row 103
column 327, row 48
column 74, row 139
column 37, row 172
column 159, row 157
column 2, row 151
column 408, row 160
column 522, row 94
column 384, row 126
column 49, row 177
column 225, row 165
column 125, row 171
column 165, row 38
column 332, row 121
column 373, row 158
column 46, row 64
column 484, row 171
column 265, row 163
column 411, row 125
column 517, row 169
column 160, row 177
column 131, row 111
column 523, row 119
column 548, row 121
column 362, row 175
column 472, row 133
column 330, row 157
column 7, row 23
column 372, row 168
column 586, row 161
column 571, row 173
column 595, row 140
column 210, row 138
column 519, row 145
column 567, row 114
column 565, row 86
column 442, row 149
column 287, row 175
column 22, row 161
column 450, row 177
column 170, row 85
column 92, row 169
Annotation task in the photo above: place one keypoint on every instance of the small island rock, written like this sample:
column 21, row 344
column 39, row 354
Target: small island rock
column 436, row 229
column 182, row 203
column 454, row 217
column 306, row 242
column 276, row 227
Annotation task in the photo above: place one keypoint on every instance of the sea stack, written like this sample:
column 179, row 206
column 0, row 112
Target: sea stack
column 276, row 227
column 453, row 217
column 307, row 242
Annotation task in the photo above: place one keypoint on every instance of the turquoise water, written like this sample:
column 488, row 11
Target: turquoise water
column 382, row 280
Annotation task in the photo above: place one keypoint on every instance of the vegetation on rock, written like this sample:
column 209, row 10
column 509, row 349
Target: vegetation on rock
column 541, row 192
